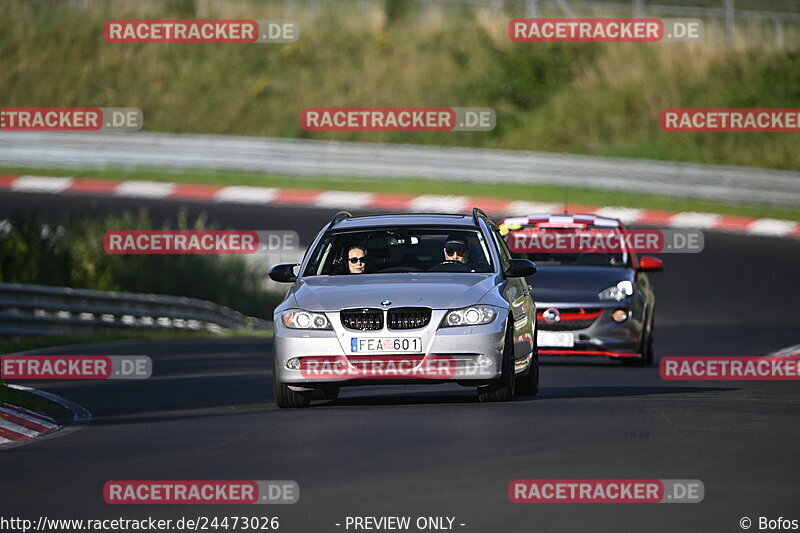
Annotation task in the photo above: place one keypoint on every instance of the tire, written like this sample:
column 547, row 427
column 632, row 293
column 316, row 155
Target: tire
column 286, row 398
column 528, row 384
column 325, row 393
column 646, row 347
column 502, row 388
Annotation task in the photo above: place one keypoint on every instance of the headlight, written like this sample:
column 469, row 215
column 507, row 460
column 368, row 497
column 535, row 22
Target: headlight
column 622, row 290
column 475, row 315
column 299, row 319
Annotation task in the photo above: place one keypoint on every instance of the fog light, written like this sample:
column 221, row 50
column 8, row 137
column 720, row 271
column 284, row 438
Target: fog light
column 619, row 316
column 293, row 364
column 482, row 360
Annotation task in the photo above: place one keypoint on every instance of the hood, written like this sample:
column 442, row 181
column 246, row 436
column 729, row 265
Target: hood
column 554, row 284
column 434, row 290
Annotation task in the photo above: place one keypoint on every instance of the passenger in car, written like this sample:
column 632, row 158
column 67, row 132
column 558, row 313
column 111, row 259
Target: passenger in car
column 356, row 260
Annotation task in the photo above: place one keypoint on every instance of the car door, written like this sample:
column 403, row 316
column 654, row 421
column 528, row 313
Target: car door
column 523, row 309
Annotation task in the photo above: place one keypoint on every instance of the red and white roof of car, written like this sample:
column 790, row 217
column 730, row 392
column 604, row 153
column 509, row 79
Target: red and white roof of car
column 563, row 220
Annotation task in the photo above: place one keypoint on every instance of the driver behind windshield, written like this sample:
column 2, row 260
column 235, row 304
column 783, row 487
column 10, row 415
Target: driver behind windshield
column 456, row 255
column 456, row 249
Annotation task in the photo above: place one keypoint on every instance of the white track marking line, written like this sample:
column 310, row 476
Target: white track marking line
column 17, row 429
column 28, row 412
column 80, row 417
column 353, row 200
column 144, row 189
column 625, row 214
column 439, row 204
column 35, row 420
column 786, row 352
column 529, row 208
column 691, row 219
column 771, row 227
column 246, row 195
column 41, row 184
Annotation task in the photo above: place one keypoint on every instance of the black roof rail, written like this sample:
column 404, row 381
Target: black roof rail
column 338, row 217
column 477, row 212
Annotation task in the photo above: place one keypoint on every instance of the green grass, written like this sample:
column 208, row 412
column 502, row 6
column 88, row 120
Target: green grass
column 73, row 256
column 533, row 193
column 588, row 98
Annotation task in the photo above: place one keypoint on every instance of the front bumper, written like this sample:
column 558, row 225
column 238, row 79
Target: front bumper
column 469, row 355
column 603, row 337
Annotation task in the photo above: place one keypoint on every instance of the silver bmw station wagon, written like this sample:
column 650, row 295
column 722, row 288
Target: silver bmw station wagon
column 413, row 299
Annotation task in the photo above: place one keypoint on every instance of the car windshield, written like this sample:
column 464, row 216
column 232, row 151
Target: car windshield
column 590, row 246
column 403, row 249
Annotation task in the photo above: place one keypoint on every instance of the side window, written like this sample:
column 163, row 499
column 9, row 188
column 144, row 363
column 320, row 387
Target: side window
column 505, row 254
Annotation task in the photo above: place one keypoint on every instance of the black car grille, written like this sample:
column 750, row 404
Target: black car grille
column 567, row 326
column 362, row 319
column 408, row 317
column 571, row 319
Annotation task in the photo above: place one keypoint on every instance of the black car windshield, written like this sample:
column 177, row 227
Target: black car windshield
column 403, row 249
column 563, row 246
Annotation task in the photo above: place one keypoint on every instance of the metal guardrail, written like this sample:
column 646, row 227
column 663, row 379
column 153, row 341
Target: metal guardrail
column 399, row 161
column 44, row 310
column 714, row 10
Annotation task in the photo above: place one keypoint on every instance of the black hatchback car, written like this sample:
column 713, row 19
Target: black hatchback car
column 599, row 304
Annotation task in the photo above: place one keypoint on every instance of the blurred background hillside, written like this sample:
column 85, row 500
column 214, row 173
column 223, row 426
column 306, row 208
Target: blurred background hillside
column 590, row 98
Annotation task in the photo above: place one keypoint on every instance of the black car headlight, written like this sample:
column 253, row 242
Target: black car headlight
column 474, row 315
column 301, row 319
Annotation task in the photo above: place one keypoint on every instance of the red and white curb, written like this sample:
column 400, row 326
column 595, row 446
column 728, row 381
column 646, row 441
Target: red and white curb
column 390, row 202
column 791, row 352
column 18, row 424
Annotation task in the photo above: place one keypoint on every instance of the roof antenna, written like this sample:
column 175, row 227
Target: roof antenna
column 566, row 200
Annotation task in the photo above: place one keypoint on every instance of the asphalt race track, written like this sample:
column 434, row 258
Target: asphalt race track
column 207, row 413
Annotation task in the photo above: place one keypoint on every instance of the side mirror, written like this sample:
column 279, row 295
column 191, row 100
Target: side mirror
column 649, row 263
column 283, row 273
column 520, row 268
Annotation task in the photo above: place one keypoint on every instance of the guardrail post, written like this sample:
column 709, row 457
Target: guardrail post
column 778, row 23
column 566, row 8
column 729, row 21
column 638, row 9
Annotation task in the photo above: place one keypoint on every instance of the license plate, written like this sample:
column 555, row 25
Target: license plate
column 386, row 344
column 557, row 340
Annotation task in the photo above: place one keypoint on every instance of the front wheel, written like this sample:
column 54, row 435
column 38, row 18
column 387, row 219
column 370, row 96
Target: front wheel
column 528, row 384
column 645, row 348
column 502, row 388
column 286, row 398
